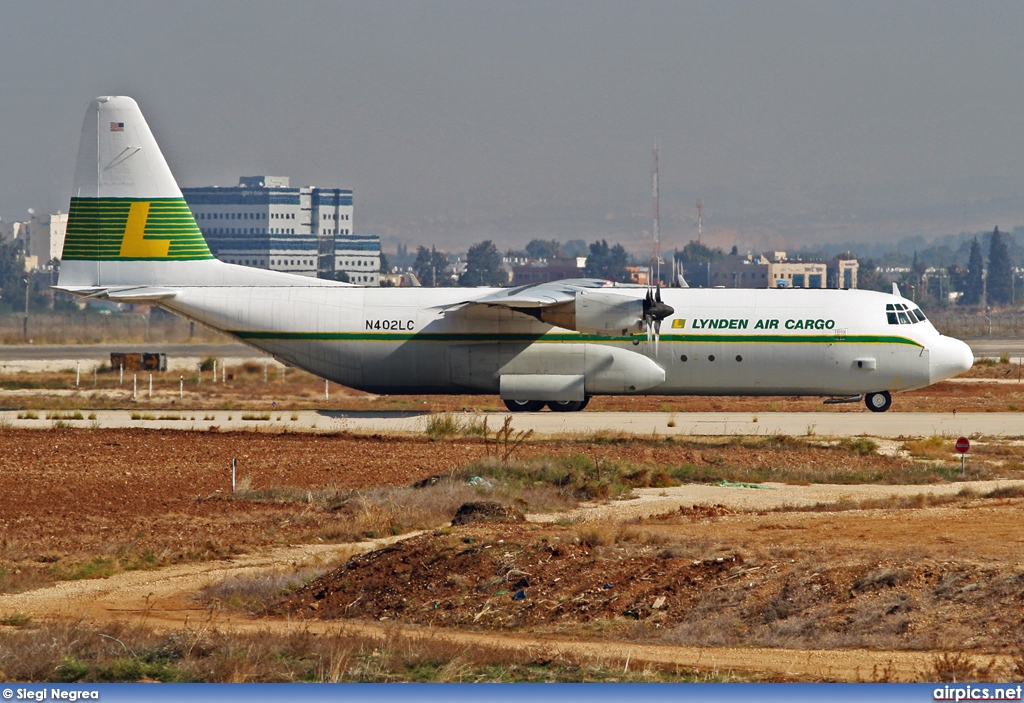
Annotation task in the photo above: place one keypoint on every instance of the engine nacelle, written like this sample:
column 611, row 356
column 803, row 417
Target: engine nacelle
column 597, row 312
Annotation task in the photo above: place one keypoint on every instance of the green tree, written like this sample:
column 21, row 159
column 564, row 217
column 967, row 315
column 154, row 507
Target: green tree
column 695, row 258
column 483, row 266
column 974, row 283
column 957, row 277
column 607, row 262
column 575, row 247
column 870, row 278
column 544, row 248
column 12, row 275
column 429, row 266
column 915, row 278
column 1000, row 271
column 918, row 267
column 937, row 285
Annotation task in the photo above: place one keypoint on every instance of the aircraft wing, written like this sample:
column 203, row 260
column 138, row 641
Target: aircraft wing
column 590, row 306
column 538, row 295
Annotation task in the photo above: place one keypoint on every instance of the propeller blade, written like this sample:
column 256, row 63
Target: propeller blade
column 654, row 308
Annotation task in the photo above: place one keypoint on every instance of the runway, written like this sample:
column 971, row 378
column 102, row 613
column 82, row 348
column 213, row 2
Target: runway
column 888, row 425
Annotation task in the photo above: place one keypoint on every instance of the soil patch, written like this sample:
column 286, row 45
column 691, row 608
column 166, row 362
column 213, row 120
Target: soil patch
column 671, row 586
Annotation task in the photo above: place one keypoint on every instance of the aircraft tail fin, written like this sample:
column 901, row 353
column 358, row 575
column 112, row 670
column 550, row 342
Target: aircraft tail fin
column 130, row 234
column 126, row 205
column 128, row 220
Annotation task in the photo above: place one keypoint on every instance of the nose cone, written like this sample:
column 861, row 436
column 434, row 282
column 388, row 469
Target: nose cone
column 947, row 358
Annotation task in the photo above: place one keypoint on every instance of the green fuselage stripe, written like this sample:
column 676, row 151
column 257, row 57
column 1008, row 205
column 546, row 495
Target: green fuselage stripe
column 561, row 338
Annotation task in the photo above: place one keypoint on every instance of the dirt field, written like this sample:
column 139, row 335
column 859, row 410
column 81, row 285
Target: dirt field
column 907, row 571
column 824, row 584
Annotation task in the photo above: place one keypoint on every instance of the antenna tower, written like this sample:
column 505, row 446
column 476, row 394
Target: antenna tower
column 700, row 219
column 657, row 231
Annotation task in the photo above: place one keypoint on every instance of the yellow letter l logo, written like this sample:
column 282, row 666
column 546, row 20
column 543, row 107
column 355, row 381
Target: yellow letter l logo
column 133, row 246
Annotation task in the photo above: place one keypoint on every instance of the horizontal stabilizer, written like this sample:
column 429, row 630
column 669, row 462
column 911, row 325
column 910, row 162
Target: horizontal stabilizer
column 138, row 295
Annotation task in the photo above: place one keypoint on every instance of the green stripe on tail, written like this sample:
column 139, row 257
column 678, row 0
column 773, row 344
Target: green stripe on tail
column 133, row 229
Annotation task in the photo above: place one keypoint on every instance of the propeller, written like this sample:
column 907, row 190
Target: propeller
column 654, row 312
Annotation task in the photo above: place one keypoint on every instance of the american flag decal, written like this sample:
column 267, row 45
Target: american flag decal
column 117, row 126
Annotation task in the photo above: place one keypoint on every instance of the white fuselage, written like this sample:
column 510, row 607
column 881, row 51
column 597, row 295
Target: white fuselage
column 722, row 342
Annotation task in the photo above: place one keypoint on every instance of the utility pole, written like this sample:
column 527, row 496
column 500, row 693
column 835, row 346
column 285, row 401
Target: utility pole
column 657, row 232
column 700, row 219
column 28, row 281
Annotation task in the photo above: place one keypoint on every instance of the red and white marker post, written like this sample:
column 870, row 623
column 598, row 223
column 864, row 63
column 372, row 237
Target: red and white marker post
column 963, row 446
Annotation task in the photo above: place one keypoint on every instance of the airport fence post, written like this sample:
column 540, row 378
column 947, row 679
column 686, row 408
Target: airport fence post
column 181, row 386
column 150, row 385
column 78, row 374
column 327, row 390
column 135, row 385
column 120, row 378
column 199, row 373
column 94, row 374
column 234, row 465
column 214, row 370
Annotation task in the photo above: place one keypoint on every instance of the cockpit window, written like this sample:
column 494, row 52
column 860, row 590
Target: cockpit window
column 902, row 314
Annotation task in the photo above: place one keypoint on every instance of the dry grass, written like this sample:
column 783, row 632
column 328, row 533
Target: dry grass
column 934, row 447
column 810, row 606
column 907, row 502
column 69, row 651
column 252, row 593
column 343, row 516
column 892, row 502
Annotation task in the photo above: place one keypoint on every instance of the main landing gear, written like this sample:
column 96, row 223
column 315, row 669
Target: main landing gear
column 878, row 402
column 558, row 406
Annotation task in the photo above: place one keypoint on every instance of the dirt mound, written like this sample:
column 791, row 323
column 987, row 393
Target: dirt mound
column 473, row 577
column 516, row 576
column 486, row 511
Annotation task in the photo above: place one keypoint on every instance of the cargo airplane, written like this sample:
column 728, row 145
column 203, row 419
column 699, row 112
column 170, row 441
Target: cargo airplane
column 132, row 239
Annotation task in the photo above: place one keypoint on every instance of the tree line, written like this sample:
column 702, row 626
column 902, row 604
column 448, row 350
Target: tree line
column 484, row 262
column 979, row 283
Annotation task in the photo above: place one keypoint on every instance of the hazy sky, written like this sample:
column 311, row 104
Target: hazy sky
column 453, row 122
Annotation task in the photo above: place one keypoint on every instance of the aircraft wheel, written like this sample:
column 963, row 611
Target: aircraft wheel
column 878, row 402
column 566, row 406
column 524, row 406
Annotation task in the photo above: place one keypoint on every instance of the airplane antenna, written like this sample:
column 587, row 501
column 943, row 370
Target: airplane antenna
column 700, row 219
